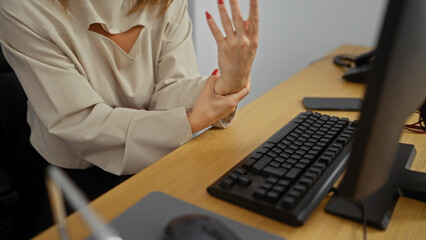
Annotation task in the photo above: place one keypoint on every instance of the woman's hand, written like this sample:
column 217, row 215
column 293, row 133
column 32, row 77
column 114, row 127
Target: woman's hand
column 237, row 50
column 210, row 107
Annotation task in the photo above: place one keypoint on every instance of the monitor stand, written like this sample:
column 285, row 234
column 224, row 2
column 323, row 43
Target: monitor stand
column 378, row 207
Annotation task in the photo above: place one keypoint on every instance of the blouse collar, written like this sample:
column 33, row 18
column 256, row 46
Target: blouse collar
column 113, row 14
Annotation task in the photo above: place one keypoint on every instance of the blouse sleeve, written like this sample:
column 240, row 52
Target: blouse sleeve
column 179, row 82
column 119, row 140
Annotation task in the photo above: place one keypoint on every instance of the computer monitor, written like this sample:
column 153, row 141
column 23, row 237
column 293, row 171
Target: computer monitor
column 396, row 87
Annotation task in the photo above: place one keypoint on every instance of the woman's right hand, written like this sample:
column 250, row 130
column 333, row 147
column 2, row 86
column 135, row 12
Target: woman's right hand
column 210, row 107
column 236, row 50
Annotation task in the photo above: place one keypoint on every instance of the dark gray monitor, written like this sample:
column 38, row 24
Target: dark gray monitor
column 396, row 87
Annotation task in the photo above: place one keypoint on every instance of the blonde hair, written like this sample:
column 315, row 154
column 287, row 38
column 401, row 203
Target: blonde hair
column 139, row 4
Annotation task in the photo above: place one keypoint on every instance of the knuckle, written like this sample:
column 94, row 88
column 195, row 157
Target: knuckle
column 255, row 20
column 243, row 44
column 254, row 43
column 237, row 17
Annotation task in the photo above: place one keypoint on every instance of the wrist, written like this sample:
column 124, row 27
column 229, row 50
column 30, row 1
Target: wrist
column 225, row 86
column 193, row 122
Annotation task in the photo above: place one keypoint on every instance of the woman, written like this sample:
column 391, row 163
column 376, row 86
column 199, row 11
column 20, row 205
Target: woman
column 113, row 85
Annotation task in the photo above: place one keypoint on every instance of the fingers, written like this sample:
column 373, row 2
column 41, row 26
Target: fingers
column 237, row 17
column 254, row 18
column 217, row 34
column 226, row 21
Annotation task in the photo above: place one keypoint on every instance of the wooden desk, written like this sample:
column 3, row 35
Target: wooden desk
column 186, row 172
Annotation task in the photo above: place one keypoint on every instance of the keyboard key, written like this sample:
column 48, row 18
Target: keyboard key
column 274, row 164
column 335, row 150
column 304, row 148
column 334, row 119
column 269, row 145
column 290, row 138
column 337, row 145
column 247, row 163
column 289, row 151
column 262, row 150
column 272, row 180
column 284, row 182
column 320, row 165
column 294, row 193
column 260, row 164
column 345, row 135
column 301, row 152
column 301, row 188
column 326, row 159
column 240, row 170
column 272, row 154
column 256, row 155
column 329, row 153
column 244, row 181
column 285, row 155
column 306, row 181
column 280, row 160
column 316, row 170
column 287, row 165
column 299, row 131
column 282, row 146
column 300, row 165
column 325, row 117
column 317, row 115
column 291, row 161
column 272, row 196
column 227, row 183
column 234, row 175
column 292, row 173
column 259, row 193
column 278, row 188
column 311, row 175
column 266, row 185
column 278, row 172
column 288, row 202
column 305, row 161
column 294, row 146
column 342, row 140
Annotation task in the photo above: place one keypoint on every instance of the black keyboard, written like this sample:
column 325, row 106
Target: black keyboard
column 287, row 176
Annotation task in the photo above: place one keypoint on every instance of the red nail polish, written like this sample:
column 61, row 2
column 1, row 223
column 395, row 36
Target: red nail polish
column 208, row 16
column 215, row 72
column 220, row 1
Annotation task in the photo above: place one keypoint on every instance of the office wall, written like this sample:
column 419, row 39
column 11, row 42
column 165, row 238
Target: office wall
column 293, row 33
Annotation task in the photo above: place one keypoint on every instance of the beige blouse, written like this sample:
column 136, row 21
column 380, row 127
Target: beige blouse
column 90, row 102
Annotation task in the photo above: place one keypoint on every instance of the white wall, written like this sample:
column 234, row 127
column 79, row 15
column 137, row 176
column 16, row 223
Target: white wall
column 293, row 33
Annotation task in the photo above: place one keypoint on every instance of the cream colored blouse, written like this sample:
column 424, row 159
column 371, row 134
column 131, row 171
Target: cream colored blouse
column 90, row 102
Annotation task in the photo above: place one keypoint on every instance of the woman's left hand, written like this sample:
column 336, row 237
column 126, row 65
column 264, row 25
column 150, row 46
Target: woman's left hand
column 237, row 50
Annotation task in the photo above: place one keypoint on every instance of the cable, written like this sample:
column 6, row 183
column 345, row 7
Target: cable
column 364, row 218
column 360, row 205
column 416, row 127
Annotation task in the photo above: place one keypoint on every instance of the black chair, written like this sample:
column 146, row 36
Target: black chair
column 13, row 108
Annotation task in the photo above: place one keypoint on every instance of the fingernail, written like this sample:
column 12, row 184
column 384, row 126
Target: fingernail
column 220, row 1
column 215, row 72
column 208, row 16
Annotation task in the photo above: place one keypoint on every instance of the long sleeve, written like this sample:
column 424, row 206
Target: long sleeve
column 177, row 69
column 73, row 121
